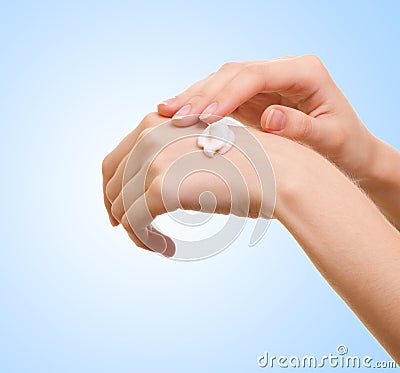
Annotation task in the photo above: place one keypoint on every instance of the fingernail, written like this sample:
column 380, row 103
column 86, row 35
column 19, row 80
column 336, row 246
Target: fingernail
column 168, row 101
column 276, row 120
column 208, row 111
column 185, row 110
column 155, row 241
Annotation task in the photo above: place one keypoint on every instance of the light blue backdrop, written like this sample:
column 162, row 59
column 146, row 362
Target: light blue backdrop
column 76, row 295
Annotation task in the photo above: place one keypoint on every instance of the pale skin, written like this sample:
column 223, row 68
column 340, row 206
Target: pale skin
column 295, row 97
column 350, row 237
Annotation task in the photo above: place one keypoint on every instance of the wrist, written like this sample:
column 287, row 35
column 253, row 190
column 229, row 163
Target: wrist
column 384, row 166
column 302, row 188
column 298, row 173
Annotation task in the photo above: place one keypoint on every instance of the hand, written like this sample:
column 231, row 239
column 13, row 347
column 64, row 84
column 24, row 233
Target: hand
column 146, row 182
column 293, row 97
column 339, row 228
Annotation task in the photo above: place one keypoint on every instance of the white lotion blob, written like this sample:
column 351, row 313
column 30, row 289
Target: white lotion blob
column 216, row 138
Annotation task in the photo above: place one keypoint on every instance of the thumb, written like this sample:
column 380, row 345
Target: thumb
column 291, row 123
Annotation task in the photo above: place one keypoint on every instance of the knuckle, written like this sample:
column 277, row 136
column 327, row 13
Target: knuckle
column 151, row 142
column 312, row 59
column 255, row 69
column 158, row 193
column 306, row 127
column 209, row 76
column 154, row 200
column 125, row 224
column 154, row 170
column 107, row 165
column 117, row 211
column 232, row 66
column 109, row 192
column 149, row 119
column 198, row 97
column 161, row 158
column 315, row 64
column 142, row 135
column 165, row 195
column 312, row 71
column 155, row 188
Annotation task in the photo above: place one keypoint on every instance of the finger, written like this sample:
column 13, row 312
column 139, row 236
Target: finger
column 206, row 86
column 133, row 237
column 131, row 191
column 111, row 162
column 108, row 206
column 197, row 100
column 118, row 208
column 114, row 186
column 250, row 112
column 139, row 217
column 170, row 250
column 135, row 163
column 136, row 207
column 136, row 172
column 110, row 165
column 294, row 124
column 170, row 106
column 131, row 165
column 298, row 78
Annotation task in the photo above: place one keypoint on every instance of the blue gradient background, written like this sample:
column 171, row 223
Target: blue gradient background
column 75, row 77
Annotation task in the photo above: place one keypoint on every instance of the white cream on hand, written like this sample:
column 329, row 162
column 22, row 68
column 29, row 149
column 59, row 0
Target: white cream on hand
column 216, row 138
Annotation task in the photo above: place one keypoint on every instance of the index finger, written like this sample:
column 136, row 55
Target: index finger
column 298, row 78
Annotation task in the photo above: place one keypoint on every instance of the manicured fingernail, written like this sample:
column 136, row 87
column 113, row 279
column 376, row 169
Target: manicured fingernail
column 276, row 120
column 168, row 101
column 208, row 111
column 185, row 110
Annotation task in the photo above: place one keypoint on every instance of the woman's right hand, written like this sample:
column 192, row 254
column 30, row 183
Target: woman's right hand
column 293, row 97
